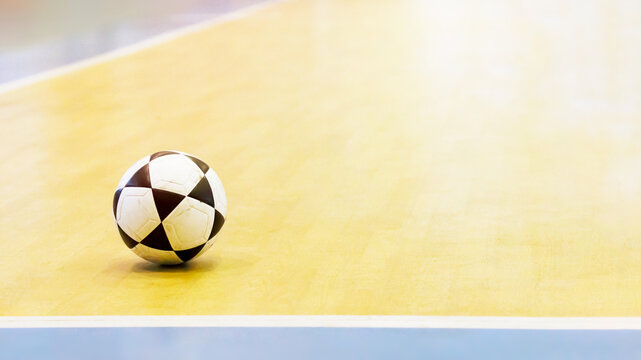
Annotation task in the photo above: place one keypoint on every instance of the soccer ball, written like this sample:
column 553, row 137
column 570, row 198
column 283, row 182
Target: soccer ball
column 168, row 206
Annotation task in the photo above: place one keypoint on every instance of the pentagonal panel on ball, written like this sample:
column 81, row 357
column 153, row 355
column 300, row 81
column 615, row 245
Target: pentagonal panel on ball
column 176, row 173
column 189, row 224
column 136, row 212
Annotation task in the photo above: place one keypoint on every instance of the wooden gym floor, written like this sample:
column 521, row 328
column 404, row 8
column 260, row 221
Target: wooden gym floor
column 380, row 157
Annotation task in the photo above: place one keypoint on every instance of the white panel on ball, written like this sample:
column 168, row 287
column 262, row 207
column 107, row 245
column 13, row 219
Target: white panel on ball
column 131, row 171
column 175, row 173
column 136, row 212
column 219, row 192
column 189, row 224
column 156, row 256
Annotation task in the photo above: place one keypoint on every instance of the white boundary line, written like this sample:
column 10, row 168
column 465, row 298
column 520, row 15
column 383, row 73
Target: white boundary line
column 138, row 46
column 329, row 321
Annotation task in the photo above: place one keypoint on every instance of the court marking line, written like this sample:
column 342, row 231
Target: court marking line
column 327, row 321
column 135, row 47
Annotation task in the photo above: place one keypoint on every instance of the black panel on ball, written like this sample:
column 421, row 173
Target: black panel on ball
column 202, row 192
column 219, row 220
column 201, row 164
column 186, row 255
column 157, row 239
column 166, row 201
column 140, row 178
column 116, row 198
column 126, row 238
column 161, row 153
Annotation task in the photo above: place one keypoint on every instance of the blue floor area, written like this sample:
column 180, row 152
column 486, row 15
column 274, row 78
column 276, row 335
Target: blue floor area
column 316, row 343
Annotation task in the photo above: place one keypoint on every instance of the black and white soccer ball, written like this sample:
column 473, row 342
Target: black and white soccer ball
column 168, row 206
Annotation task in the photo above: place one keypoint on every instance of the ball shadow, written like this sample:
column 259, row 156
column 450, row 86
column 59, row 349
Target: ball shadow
column 198, row 265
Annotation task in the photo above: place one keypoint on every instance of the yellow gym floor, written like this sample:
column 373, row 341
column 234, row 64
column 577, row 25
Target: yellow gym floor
column 380, row 157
